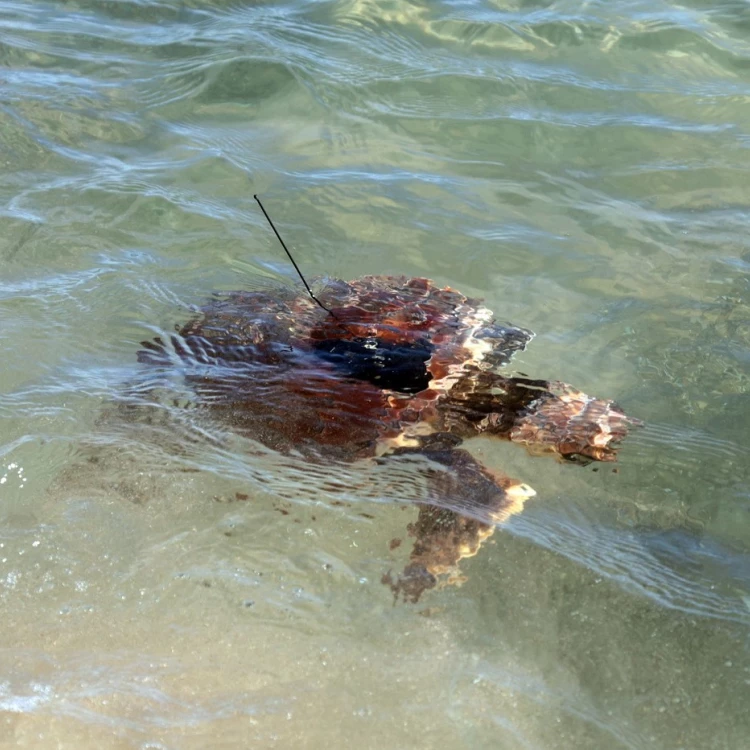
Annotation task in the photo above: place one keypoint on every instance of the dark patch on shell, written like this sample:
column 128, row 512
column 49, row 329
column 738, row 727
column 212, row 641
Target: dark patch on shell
column 395, row 366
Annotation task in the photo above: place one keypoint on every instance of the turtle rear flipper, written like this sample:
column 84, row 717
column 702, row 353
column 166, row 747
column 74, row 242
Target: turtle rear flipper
column 467, row 501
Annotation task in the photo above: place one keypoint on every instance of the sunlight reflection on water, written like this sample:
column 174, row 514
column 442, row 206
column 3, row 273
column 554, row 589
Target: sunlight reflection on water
column 581, row 167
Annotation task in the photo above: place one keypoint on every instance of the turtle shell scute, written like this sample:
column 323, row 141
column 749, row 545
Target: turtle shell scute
column 408, row 335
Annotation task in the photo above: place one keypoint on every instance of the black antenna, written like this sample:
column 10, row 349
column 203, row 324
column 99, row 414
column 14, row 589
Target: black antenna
column 296, row 267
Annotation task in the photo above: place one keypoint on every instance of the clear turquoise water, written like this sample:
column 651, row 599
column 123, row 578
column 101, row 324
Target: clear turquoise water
column 583, row 166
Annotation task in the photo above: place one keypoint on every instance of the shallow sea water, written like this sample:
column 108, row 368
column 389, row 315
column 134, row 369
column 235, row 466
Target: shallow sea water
column 582, row 166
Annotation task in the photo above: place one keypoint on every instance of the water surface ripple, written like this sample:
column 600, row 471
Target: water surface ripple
column 580, row 165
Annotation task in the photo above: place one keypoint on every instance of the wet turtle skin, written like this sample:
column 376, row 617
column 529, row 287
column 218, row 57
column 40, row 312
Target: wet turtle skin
column 398, row 366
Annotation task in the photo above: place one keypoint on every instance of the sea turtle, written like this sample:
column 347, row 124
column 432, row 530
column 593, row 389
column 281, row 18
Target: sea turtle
column 392, row 366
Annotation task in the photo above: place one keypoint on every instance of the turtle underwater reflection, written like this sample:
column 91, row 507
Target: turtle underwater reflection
column 382, row 368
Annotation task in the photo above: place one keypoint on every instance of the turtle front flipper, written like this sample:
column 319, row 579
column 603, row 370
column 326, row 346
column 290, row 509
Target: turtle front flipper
column 466, row 502
column 546, row 417
column 567, row 422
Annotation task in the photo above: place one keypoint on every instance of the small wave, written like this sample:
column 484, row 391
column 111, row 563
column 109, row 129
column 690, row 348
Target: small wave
column 670, row 573
column 695, row 441
column 117, row 681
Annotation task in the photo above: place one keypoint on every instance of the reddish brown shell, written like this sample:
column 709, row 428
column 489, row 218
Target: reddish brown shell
column 393, row 346
column 403, row 310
